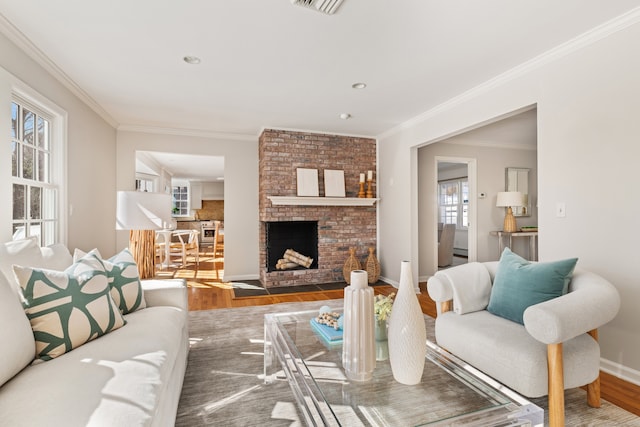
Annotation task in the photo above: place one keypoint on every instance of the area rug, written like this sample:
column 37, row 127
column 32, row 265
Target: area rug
column 223, row 385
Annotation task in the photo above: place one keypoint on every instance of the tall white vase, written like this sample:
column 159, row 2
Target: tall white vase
column 407, row 332
column 358, row 336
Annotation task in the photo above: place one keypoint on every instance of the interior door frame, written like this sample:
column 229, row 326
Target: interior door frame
column 472, row 231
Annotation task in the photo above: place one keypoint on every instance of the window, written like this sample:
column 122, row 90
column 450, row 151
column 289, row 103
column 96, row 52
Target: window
column 453, row 202
column 35, row 194
column 143, row 184
column 180, row 200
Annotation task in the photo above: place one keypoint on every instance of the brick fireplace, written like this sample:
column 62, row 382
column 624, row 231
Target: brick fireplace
column 338, row 227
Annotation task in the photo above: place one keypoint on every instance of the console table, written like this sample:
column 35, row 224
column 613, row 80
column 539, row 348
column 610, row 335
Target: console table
column 531, row 235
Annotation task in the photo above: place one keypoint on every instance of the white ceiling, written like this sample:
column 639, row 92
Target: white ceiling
column 268, row 63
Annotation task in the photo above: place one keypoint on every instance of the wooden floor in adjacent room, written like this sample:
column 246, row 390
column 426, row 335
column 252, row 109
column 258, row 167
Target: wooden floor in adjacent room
column 207, row 291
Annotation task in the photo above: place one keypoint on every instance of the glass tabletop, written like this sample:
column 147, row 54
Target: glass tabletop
column 451, row 392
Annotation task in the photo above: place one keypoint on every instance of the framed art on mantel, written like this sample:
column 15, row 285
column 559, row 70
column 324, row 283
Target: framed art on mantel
column 307, row 182
column 334, row 183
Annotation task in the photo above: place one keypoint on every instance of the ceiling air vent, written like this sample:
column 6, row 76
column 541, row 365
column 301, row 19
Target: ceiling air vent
column 326, row 6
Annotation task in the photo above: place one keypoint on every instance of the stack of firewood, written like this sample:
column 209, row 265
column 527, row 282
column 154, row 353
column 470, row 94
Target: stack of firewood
column 292, row 259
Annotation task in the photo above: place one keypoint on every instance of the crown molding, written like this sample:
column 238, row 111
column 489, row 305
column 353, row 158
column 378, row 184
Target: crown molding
column 585, row 39
column 30, row 49
column 188, row 132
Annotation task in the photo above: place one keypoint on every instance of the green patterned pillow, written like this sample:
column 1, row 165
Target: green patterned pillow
column 124, row 280
column 68, row 308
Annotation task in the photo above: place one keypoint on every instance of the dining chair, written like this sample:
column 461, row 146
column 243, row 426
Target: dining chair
column 187, row 244
column 218, row 242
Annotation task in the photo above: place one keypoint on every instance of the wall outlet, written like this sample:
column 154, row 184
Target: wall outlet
column 561, row 210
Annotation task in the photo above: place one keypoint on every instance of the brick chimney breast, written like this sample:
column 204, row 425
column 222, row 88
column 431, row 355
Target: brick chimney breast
column 281, row 153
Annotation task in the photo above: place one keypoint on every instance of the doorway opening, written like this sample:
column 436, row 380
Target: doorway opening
column 455, row 211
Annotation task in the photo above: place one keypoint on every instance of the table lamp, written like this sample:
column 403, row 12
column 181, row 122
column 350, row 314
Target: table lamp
column 509, row 199
column 141, row 213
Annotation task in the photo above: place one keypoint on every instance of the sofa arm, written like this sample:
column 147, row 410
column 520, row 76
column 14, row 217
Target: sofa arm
column 170, row 292
column 591, row 303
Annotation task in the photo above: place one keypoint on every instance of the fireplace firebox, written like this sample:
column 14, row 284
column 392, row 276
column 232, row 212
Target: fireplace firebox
column 301, row 236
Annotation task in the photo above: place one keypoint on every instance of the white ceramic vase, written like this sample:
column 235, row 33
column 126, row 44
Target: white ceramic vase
column 358, row 340
column 407, row 332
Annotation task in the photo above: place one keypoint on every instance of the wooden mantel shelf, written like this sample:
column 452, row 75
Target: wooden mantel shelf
column 320, row 201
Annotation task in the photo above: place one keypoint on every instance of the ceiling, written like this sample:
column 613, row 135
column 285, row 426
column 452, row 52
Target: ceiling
column 272, row 64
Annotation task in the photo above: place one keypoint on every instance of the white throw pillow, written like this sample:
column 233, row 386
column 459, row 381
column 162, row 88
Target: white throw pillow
column 18, row 347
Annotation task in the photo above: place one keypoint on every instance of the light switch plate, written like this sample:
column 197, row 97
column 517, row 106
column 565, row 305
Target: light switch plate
column 561, row 210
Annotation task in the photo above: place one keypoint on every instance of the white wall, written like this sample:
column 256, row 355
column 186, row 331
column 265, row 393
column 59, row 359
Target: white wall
column 490, row 177
column 90, row 154
column 241, row 224
column 588, row 100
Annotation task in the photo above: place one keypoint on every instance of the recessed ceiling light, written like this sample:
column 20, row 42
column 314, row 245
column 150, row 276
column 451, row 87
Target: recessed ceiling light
column 191, row 60
column 359, row 85
column 345, row 116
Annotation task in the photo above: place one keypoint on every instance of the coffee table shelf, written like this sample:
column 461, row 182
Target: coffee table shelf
column 451, row 392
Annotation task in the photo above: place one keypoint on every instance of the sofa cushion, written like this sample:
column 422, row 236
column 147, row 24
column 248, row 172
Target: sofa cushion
column 55, row 257
column 123, row 378
column 22, row 252
column 67, row 308
column 124, row 280
column 505, row 351
column 18, row 345
column 519, row 284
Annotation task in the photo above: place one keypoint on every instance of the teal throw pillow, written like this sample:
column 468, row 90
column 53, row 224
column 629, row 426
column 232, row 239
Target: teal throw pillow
column 519, row 284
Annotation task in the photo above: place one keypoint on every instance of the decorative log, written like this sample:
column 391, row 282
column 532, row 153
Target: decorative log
column 283, row 264
column 298, row 258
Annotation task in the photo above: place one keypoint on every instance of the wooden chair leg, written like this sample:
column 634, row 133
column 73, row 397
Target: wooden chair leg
column 593, row 389
column 556, row 385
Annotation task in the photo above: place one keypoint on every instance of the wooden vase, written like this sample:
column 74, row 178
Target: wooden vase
column 350, row 264
column 372, row 267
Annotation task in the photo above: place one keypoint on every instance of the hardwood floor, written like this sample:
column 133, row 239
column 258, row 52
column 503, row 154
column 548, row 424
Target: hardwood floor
column 207, row 291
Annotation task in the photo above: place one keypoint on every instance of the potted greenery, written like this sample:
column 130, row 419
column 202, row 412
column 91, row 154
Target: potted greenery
column 382, row 309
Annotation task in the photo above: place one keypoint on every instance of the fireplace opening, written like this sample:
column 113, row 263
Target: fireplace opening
column 301, row 236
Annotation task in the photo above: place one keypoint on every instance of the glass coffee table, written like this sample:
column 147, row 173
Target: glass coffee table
column 451, row 392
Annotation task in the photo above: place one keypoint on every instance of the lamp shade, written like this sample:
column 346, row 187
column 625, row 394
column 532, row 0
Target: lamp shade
column 509, row 199
column 137, row 210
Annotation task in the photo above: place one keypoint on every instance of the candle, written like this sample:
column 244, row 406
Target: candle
column 370, row 175
column 361, row 177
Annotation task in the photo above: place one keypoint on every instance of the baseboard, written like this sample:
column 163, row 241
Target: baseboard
column 620, row 371
column 395, row 283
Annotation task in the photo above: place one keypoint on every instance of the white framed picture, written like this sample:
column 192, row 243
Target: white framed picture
column 334, row 183
column 308, row 182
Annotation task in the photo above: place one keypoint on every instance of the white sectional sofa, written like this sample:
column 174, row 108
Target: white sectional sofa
column 130, row 376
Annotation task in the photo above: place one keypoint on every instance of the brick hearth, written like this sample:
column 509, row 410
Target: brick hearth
column 339, row 227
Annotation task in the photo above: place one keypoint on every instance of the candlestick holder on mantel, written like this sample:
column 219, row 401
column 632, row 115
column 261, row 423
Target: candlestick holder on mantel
column 361, row 193
column 369, row 190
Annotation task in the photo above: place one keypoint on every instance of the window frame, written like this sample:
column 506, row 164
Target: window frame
column 462, row 204
column 57, row 183
column 183, row 211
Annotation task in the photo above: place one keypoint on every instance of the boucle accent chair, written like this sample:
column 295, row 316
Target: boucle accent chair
column 555, row 348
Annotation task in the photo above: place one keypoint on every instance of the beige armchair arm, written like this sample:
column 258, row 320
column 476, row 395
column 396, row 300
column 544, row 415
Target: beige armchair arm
column 590, row 303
